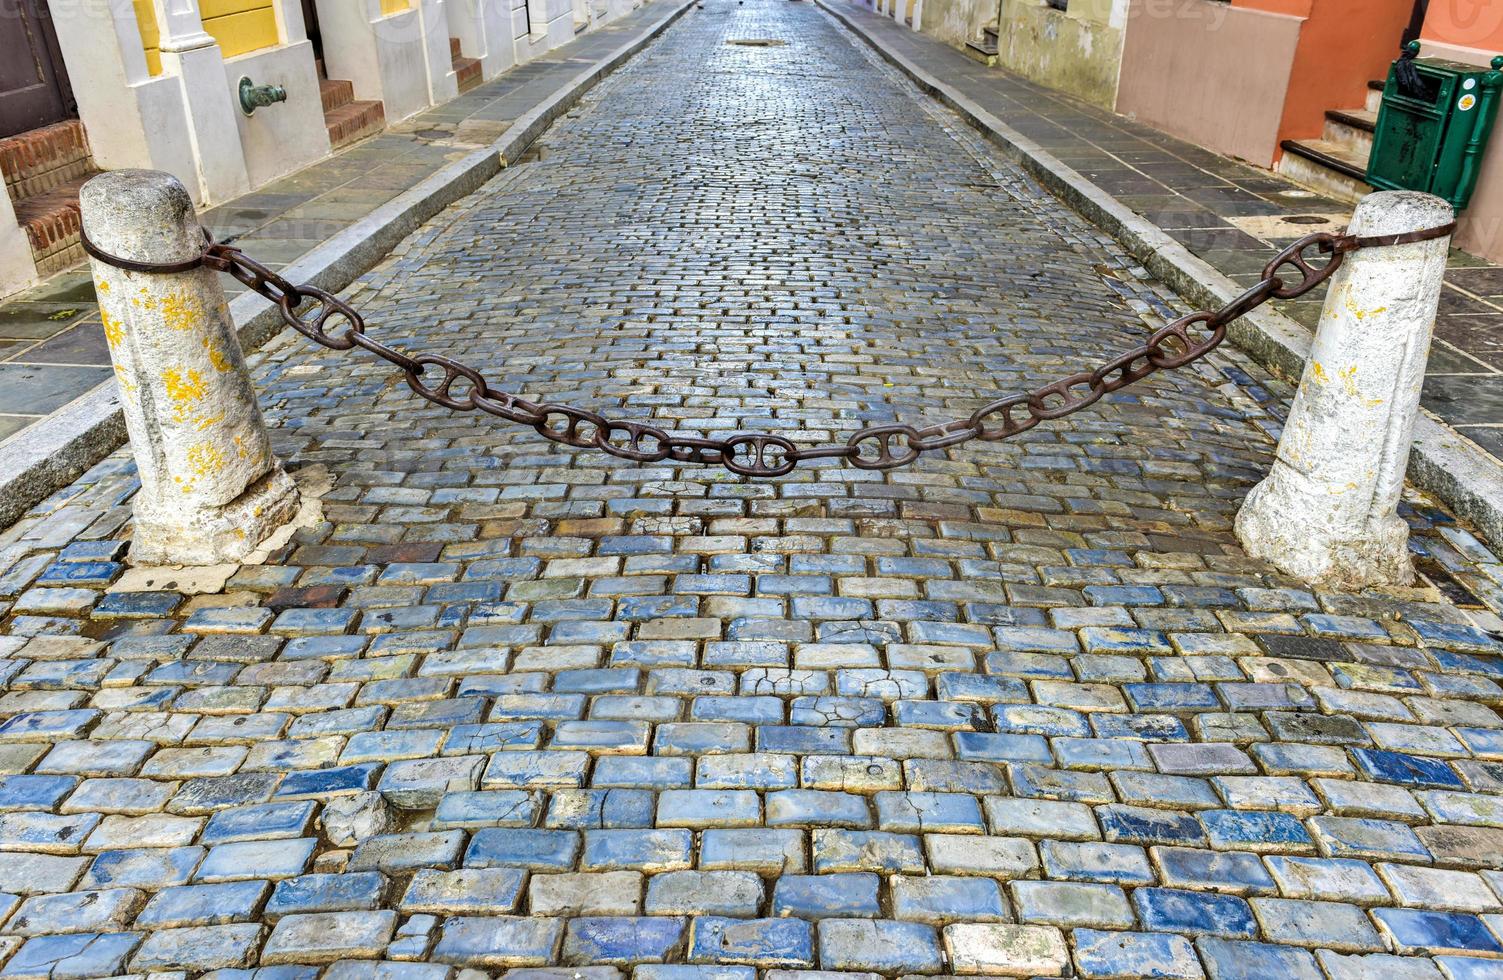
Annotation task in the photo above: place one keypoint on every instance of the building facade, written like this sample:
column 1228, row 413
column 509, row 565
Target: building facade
column 1289, row 85
column 96, row 85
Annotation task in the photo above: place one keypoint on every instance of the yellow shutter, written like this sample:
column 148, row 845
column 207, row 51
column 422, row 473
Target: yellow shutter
column 151, row 38
column 240, row 25
column 394, row 6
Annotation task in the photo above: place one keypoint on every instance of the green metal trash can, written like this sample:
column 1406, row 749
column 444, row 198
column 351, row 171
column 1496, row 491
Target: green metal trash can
column 1430, row 136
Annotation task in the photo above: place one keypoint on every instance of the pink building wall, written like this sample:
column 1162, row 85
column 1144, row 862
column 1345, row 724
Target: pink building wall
column 1242, row 77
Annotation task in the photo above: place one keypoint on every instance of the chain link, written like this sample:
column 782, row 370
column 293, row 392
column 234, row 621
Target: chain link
column 331, row 322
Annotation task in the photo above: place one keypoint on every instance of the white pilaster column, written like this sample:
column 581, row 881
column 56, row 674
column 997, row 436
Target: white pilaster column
column 443, row 85
column 192, row 56
column 1326, row 514
column 17, row 267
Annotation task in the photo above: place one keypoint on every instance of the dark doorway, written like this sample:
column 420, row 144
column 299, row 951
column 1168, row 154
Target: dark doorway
column 33, row 82
column 310, row 21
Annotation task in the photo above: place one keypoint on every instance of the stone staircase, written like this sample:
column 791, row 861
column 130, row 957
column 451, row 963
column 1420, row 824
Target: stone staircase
column 44, row 169
column 466, row 70
column 1336, row 164
column 985, row 49
column 346, row 118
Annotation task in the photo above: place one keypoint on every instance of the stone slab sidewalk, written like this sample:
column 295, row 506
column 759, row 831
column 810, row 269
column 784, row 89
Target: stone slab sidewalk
column 54, row 364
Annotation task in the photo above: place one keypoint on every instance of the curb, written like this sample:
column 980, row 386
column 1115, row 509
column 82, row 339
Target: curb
column 1442, row 462
column 49, row 455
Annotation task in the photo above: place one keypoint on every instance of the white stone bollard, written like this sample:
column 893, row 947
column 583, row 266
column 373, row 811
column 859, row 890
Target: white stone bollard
column 211, row 490
column 1327, row 512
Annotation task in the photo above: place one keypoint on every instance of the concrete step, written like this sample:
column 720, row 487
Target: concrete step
column 1374, row 96
column 51, row 220
column 1333, row 169
column 354, row 121
column 984, row 51
column 1353, row 128
column 335, row 92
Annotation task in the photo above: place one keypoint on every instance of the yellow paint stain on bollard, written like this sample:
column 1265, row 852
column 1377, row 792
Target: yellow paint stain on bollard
column 205, row 459
column 185, row 388
column 1349, row 381
column 1318, row 371
column 127, row 387
column 1357, row 312
column 179, row 310
column 114, row 330
column 217, row 357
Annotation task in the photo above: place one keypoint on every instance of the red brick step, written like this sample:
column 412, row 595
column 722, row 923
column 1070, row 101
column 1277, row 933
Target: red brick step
column 353, row 121
column 52, row 224
column 44, row 168
column 466, row 70
column 335, row 92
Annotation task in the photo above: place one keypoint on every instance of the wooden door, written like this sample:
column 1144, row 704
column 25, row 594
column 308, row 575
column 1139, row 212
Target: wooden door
column 33, row 83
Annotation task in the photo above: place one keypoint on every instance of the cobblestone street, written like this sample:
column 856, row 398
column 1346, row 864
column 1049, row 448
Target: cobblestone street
column 1023, row 708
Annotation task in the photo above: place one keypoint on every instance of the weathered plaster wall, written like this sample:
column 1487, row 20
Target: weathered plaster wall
column 954, row 21
column 1078, row 50
column 1209, row 73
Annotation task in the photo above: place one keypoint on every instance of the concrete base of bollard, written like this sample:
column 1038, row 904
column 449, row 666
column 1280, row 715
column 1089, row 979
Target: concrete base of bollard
column 1269, row 529
column 218, row 535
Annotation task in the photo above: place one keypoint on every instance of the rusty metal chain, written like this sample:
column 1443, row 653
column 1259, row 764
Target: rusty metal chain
column 330, row 322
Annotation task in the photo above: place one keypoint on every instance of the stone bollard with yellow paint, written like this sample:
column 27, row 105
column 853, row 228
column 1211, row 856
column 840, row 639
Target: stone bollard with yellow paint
column 1327, row 513
column 211, row 490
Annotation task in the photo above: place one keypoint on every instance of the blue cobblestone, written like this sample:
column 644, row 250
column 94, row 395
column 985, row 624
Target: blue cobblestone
column 1200, row 913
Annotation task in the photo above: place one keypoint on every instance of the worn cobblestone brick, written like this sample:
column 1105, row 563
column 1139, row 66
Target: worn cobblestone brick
column 1021, row 708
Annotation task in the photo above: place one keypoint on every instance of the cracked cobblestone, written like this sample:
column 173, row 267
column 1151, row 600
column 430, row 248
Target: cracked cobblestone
column 1021, row 709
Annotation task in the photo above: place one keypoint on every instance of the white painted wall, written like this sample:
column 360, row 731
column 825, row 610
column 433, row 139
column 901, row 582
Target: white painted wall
column 133, row 119
column 401, row 59
column 403, row 62
column 101, row 46
column 465, row 22
column 349, row 46
column 484, row 29
column 552, row 25
column 17, row 270
column 560, row 15
column 278, row 139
